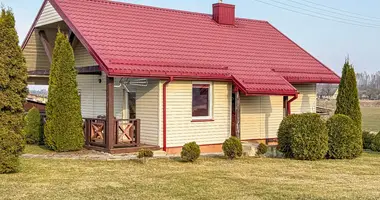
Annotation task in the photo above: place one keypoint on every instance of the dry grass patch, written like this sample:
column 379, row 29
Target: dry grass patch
column 208, row 178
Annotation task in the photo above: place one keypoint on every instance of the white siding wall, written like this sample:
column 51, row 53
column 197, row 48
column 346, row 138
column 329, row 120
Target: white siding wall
column 181, row 130
column 93, row 96
column 48, row 16
column 307, row 99
column 260, row 116
column 147, row 110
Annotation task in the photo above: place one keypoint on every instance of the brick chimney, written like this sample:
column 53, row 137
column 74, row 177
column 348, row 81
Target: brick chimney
column 223, row 13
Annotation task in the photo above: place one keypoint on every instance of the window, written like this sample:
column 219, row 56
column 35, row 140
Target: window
column 202, row 101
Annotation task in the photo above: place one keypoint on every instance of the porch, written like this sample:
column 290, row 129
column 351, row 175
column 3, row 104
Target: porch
column 115, row 129
column 124, row 139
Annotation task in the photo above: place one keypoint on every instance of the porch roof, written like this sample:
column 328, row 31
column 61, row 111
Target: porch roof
column 135, row 40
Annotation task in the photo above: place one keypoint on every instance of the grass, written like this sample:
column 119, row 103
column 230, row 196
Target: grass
column 208, row 178
column 34, row 149
column 371, row 118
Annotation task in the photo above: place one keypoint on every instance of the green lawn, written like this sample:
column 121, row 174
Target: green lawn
column 209, row 178
column 371, row 118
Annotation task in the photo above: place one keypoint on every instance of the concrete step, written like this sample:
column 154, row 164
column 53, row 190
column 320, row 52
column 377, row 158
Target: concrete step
column 249, row 148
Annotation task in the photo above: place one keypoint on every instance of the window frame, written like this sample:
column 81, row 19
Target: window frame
column 210, row 100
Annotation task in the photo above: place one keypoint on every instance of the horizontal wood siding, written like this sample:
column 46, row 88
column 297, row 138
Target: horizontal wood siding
column 48, row 16
column 181, row 130
column 307, row 99
column 147, row 110
column 260, row 116
column 82, row 57
column 34, row 53
column 93, row 96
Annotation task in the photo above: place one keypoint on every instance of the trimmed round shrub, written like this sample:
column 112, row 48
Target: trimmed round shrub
column 33, row 126
column 368, row 137
column 11, row 148
column 303, row 137
column 145, row 153
column 262, row 149
column 284, row 135
column 375, row 146
column 190, row 152
column 345, row 140
column 232, row 148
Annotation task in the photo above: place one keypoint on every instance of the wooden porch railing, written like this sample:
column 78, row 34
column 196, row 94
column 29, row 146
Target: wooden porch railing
column 126, row 132
column 95, row 132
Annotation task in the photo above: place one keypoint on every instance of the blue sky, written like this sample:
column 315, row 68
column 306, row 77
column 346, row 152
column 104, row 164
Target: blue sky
column 328, row 41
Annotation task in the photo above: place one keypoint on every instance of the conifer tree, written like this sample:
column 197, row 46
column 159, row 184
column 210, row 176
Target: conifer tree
column 13, row 91
column 348, row 99
column 63, row 130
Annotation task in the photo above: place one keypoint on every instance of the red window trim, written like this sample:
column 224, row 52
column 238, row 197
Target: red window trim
column 201, row 85
column 202, row 120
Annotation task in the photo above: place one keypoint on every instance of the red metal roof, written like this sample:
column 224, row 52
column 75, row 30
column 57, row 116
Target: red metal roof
column 135, row 40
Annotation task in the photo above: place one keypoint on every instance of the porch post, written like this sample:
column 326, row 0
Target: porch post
column 237, row 113
column 110, row 141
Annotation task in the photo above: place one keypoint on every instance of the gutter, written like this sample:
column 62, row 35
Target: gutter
column 164, row 112
column 289, row 102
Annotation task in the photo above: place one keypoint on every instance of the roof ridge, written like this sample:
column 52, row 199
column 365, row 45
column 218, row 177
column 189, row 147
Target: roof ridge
column 169, row 9
column 149, row 7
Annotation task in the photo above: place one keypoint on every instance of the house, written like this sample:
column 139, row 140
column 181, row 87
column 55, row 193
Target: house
column 159, row 78
column 30, row 103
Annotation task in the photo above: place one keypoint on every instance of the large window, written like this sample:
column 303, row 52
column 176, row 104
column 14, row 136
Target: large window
column 202, row 100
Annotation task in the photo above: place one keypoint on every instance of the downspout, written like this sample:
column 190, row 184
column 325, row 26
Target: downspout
column 289, row 102
column 164, row 112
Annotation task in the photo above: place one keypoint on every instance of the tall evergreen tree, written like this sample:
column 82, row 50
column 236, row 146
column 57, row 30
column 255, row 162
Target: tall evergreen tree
column 63, row 130
column 348, row 99
column 13, row 91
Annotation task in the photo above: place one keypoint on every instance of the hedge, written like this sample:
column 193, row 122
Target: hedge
column 33, row 126
column 303, row 137
column 375, row 146
column 345, row 139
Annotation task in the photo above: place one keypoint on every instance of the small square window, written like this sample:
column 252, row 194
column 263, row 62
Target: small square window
column 201, row 101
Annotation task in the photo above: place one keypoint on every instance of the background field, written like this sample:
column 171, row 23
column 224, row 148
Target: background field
column 370, row 113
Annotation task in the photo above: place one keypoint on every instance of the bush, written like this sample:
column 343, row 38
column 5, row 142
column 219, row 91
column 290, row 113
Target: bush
column 145, row 153
column 345, row 140
column 11, row 148
column 190, row 152
column 232, row 148
column 63, row 128
column 284, row 135
column 33, row 126
column 303, row 137
column 367, row 139
column 262, row 149
column 375, row 146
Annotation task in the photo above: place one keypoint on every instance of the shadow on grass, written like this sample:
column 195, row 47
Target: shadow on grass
column 37, row 149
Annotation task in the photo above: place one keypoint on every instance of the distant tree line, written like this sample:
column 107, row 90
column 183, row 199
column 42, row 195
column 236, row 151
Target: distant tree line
column 368, row 87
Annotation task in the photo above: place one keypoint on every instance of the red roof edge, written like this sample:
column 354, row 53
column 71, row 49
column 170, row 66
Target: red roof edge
column 304, row 51
column 33, row 25
column 66, row 19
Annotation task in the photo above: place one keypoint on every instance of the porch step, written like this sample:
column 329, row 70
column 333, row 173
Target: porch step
column 249, row 148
